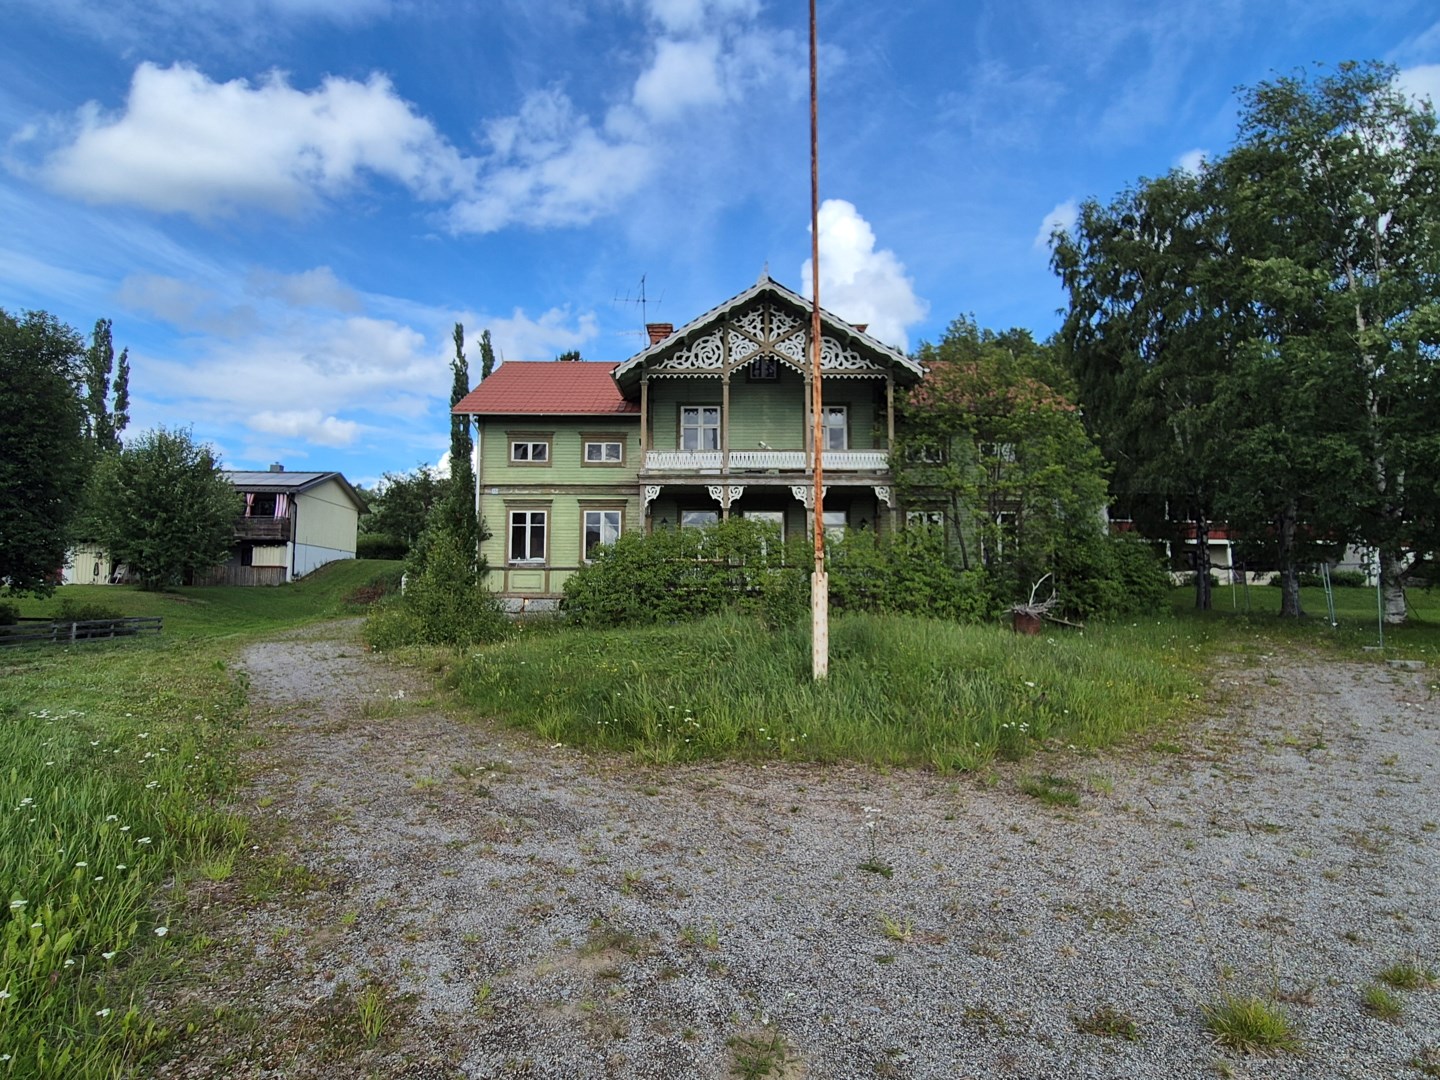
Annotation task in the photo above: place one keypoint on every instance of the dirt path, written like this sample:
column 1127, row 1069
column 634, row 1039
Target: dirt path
column 514, row 909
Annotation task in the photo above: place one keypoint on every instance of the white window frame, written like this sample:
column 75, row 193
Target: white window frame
column 532, row 519
column 835, row 522
column 603, row 446
column 698, row 519
column 771, row 517
column 602, row 521
column 530, row 446
column 837, row 436
column 699, row 427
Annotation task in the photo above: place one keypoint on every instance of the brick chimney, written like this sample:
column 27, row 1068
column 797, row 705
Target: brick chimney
column 277, row 467
column 659, row 331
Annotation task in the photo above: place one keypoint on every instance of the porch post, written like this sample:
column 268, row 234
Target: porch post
column 890, row 410
column 644, row 416
column 724, row 423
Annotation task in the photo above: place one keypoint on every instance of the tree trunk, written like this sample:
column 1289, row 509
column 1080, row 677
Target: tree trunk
column 1203, row 597
column 1392, row 586
column 1289, row 571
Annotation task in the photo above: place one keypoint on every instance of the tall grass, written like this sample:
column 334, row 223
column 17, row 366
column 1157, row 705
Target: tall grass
column 114, row 760
column 901, row 690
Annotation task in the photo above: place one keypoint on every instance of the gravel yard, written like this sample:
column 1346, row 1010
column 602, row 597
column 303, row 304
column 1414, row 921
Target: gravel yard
column 477, row 905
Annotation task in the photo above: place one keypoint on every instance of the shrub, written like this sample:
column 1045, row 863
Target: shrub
column 442, row 605
column 379, row 546
column 75, row 611
column 911, row 573
column 1098, row 575
column 9, row 613
column 674, row 575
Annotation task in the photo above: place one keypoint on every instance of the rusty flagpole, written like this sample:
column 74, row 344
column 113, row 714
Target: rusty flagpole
column 819, row 580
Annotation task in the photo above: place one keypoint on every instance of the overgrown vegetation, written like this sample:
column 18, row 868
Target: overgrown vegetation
column 116, row 757
column 901, row 690
column 443, row 603
column 1251, row 1025
column 677, row 574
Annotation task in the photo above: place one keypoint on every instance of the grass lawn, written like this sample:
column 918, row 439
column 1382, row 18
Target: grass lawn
column 901, row 691
column 115, row 755
column 1356, row 626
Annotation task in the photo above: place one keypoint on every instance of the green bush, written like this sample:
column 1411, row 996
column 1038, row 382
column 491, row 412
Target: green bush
column 442, row 605
column 1339, row 579
column 1099, row 575
column 910, row 573
column 9, row 613
column 76, row 611
column 674, row 575
column 379, row 546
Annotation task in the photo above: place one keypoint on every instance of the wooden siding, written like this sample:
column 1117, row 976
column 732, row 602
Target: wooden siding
column 326, row 518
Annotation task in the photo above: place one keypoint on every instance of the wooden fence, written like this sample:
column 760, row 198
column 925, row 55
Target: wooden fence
column 63, row 633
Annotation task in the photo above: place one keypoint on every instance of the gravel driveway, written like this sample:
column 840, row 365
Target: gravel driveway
column 496, row 907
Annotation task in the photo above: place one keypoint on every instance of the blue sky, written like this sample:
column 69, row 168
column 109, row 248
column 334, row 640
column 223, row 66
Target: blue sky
column 285, row 205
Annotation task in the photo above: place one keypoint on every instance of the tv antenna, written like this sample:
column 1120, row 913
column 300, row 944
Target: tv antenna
column 639, row 298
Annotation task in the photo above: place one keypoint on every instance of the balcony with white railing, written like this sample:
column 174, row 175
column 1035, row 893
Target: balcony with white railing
column 712, row 462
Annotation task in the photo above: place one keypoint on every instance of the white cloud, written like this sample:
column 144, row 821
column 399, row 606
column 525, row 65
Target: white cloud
column 683, row 76
column 859, row 283
column 1189, row 162
column 317, row 288
column 520, row 337
column 551, row 166
column 1062, row 217
column 309, row 424
column 688, row 16
column 1422, row 81
column 186, row 144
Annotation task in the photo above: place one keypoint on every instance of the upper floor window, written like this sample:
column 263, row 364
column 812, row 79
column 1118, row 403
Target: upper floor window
column 699, row 427
column 837, row 427
column 763, row 369
column 530, row 451
column 604, row 452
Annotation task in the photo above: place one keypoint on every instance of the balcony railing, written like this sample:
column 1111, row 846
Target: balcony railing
column 711, row 461
column 262, row 528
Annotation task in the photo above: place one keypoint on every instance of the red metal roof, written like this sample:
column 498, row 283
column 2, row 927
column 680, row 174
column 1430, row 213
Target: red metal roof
column 565, row 388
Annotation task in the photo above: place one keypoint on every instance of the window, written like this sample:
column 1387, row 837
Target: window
column 699, row 427
column 604, row 452
column 770, row 517
column 527, row 536
column 260, row 504
column 837, row 427
column 763, row 369
column 921, row 518
column 601, row 527
column 530, row 452
column 834, row 524
column 698, row 519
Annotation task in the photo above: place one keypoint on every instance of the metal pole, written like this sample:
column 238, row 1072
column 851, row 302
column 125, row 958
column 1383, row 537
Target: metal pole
column 819, row 582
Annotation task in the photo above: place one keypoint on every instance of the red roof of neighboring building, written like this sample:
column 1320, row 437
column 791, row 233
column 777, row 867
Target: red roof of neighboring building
column 566, row 388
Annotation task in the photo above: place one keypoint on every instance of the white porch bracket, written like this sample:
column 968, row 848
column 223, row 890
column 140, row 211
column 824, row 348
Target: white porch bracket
column 805, row 493
column 725, row 495
column 885, row 493
column 650, row 493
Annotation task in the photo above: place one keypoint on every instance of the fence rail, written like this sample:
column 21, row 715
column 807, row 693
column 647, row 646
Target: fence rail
column 58, row 633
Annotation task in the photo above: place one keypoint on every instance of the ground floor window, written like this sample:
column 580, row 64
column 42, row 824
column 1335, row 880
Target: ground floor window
column 770, row 517
column 527, row 535
column 834, row 524
column 920, row 518
column 601, row 527
column 698, row 519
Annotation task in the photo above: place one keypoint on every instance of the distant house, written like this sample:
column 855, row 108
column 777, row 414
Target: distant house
column 293, row 523
column 710, row 421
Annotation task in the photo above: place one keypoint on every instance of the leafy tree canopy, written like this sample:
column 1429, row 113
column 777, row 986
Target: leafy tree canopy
column 165, row 509
column 42, row 448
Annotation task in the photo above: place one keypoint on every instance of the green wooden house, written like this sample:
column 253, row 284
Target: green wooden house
column 711, row 420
